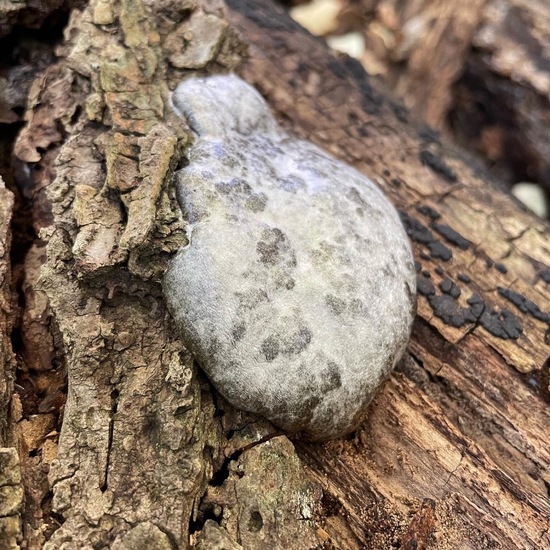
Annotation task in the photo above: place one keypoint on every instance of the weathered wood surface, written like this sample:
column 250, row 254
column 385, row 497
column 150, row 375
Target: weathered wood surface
column 454, row 452
column 510, row 54
column 463, row 424
column 478, row 69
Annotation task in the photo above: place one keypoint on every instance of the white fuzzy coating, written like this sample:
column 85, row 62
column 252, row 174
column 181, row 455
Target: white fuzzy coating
column 296, row 293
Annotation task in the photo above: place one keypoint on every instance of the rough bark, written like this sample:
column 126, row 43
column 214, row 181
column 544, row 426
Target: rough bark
column 6, row 313
column 421, row 47
column 11, row 489
column 454, row 451
column 140, row 437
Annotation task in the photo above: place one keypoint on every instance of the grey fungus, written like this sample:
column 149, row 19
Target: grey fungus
column 297, row 291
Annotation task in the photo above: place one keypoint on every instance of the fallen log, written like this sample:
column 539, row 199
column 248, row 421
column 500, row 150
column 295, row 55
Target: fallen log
column 453, row 452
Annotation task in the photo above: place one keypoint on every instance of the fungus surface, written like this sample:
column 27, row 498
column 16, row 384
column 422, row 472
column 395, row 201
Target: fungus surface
column 296, row 292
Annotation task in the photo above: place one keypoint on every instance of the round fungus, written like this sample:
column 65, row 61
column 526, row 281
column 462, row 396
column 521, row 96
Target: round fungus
column 296, row 292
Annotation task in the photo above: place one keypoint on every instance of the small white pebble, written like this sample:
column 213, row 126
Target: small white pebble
column 318, row 17
column 532, row 195
column 352, row 43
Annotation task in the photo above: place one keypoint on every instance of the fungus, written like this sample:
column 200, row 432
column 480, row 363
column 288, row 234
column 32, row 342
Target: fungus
column 296, row 292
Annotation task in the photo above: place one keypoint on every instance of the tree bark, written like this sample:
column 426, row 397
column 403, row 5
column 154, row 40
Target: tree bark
column 453, row 453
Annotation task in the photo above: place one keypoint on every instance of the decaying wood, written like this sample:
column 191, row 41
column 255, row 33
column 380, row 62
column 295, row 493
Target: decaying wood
column 510, row 54
column 463, row 422
column 434, row 39
column 454, row 452
column 420, row 48
column 478, row 69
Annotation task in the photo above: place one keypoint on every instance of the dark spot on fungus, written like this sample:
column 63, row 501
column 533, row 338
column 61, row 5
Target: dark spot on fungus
column 270, row 348
column 396, row 182
column 438, row 165
column 417, row 266
column 251, row 299
column 464, row 278
column 426, row 273
column 236, row 186
column 309, row 403
column 356, row 197
column 193, row 213
column 297, row 342
column 271, row 247
column 524, row 304
column 331, row 377
column 335, row 304
column 357, row 307
column 501, row 267
column 451, row 235
column 256, row 202
column 238, row 331
column 439, row 270
column 291, row 183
